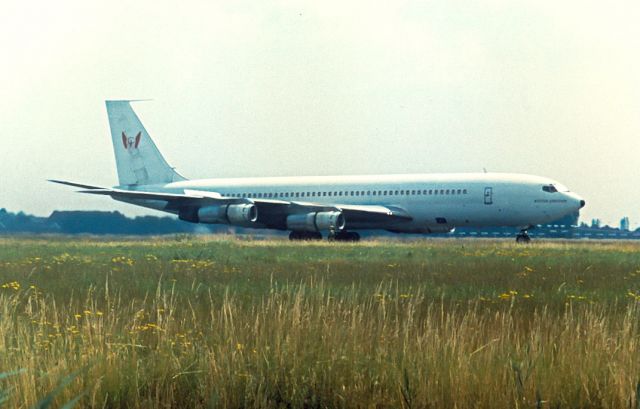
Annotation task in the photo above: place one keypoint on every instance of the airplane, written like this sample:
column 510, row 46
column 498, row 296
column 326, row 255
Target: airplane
column 339, row 206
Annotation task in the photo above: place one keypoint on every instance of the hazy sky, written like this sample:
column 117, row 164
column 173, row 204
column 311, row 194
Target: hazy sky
column 270, row 88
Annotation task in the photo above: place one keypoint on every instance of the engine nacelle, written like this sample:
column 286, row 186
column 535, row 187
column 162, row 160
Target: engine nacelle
column 237, row 214
column 316, row 221
column 242, row 214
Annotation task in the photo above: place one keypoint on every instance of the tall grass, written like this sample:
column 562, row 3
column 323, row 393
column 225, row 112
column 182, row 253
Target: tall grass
column 263, row 324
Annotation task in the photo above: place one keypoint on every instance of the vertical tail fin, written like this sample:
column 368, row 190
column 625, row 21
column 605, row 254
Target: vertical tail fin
column 138, row 160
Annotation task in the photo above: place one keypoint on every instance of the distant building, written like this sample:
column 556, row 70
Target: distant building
column 595, row 223
column 624, row 224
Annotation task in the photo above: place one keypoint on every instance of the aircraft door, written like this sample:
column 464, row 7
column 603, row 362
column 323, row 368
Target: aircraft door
column 488, row 195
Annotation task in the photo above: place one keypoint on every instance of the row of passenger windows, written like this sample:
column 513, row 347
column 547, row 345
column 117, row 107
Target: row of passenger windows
column 424, row 192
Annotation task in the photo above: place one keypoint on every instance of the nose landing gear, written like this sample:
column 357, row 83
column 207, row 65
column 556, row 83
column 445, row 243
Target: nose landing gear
column 523, row 237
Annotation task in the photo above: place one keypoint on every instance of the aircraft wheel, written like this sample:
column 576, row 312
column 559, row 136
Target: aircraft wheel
column 523, row 238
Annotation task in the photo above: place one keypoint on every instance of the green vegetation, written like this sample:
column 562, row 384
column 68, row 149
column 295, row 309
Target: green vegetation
column 234, row 323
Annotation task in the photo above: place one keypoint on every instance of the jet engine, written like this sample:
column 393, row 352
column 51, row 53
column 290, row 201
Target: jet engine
column 316, row 221
column 236, row 214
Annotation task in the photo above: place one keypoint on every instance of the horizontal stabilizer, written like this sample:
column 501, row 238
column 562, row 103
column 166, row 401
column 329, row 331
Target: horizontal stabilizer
column 63, row 182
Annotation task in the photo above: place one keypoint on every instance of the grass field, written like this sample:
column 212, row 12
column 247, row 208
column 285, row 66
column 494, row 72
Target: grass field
column 183, row 322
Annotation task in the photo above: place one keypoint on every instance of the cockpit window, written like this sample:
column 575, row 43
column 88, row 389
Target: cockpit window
column 555, row 187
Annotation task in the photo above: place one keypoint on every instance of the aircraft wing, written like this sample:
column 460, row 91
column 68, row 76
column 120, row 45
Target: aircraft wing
column 354, row 211
column 271, row 212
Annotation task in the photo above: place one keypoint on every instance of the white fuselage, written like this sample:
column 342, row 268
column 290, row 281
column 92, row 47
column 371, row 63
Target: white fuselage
column 435, row 202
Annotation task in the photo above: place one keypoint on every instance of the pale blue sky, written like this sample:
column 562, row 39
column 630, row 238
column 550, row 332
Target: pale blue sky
column 245, row 88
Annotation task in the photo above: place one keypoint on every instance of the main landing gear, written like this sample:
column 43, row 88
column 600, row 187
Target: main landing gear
column 523, row 237
column 305, row 235
column 344, row 236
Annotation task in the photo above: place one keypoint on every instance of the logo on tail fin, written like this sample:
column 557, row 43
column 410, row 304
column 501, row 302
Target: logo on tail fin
column 130, row 142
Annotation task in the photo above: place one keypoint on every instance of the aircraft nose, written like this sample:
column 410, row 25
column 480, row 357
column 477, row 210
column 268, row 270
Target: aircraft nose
column 574, row 201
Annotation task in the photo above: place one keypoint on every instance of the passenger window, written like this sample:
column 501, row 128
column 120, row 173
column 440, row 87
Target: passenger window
column 435, row 191
column 374, row 192
column 442, row 191
column 464, row 191
column 396, row 193
column 357, row 193
column 459, row 191
column 368, row 192
column 413, row 192
column 446, row 192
